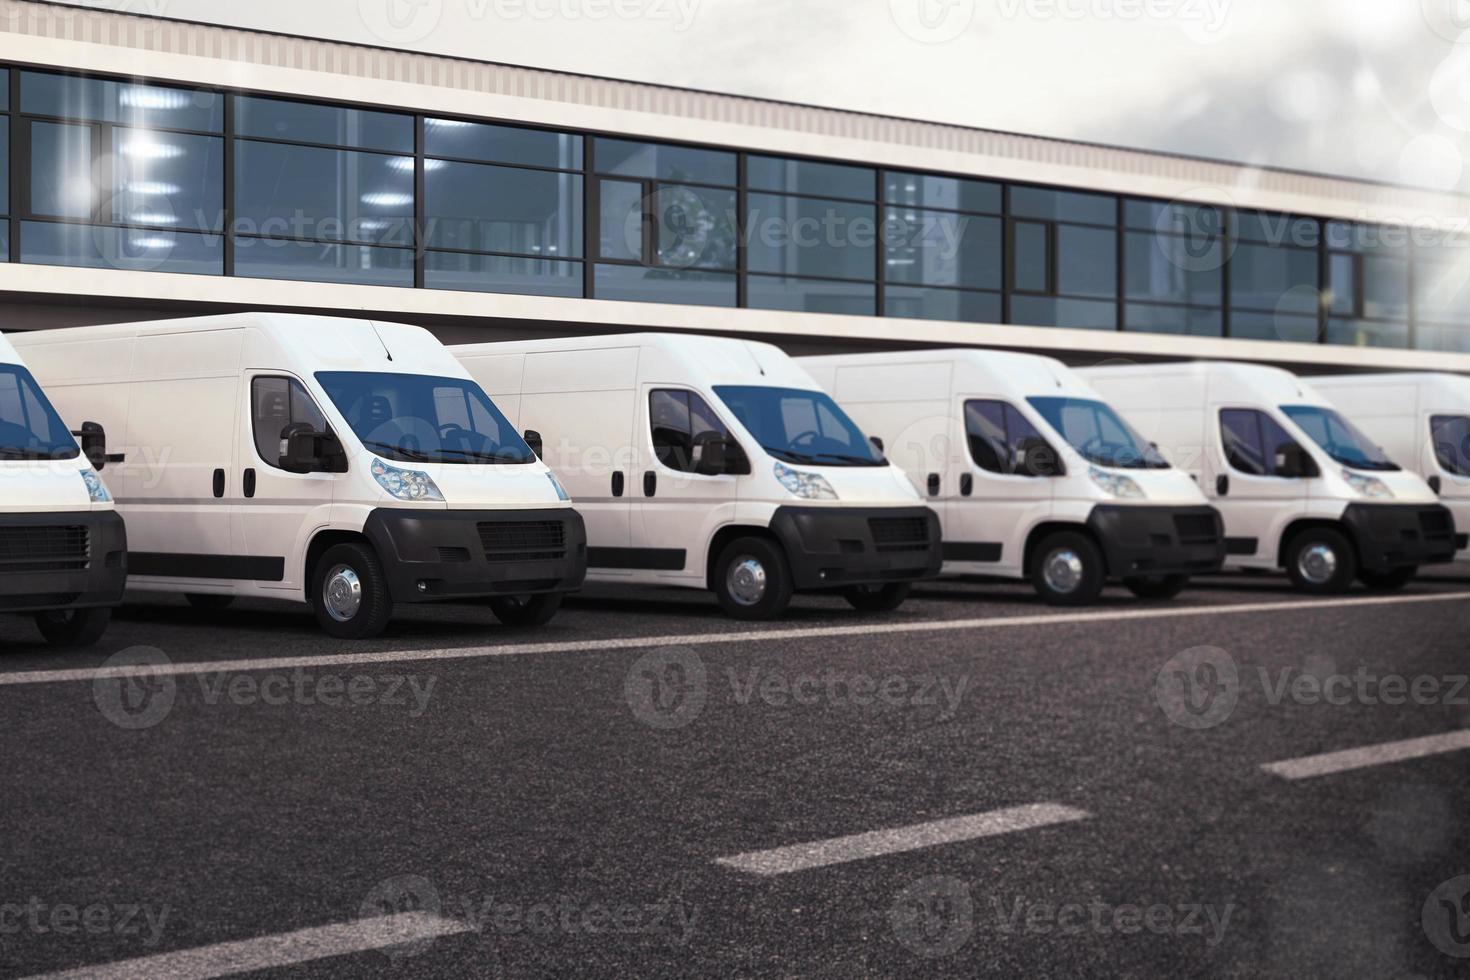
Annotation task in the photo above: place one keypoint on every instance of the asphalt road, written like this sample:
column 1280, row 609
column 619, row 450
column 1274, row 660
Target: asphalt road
column 558, row 802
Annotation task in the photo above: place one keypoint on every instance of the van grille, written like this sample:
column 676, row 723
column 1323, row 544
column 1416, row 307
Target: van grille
column 44, row 548
column 523, row 540
column 1195, row 528
column 1436, row 523
column 899, row 533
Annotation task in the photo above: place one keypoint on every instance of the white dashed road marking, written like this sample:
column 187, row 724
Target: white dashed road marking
column 1371, row 755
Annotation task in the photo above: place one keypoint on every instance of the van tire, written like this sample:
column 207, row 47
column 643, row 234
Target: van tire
column 1390, row 581
column 531, row 610
column 877, row 598
column 1162, row 587
column 209, row 603
column 73, row 627
column 1308, row 575
column 1090, row 577
column 740, row 595
column 374, row 606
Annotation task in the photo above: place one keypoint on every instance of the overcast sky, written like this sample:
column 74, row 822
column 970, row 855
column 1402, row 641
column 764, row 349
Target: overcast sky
column 1371, row 88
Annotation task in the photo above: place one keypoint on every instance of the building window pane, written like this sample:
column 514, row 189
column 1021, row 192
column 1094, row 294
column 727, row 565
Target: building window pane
column 1265, row 278
column 811, row 295
column 812, row 238
column 270, row 259
column 1441, row 292
column 502, row 144
column 168, row 179
column 1031, row 259
column 1198, row 221
column 306, row 122
column 1036, row 202
column 1342, row 284
column 1385, row 288
column 1366, row 333
column 502, row 274
column 334, row 195
column 660, row 161
column 1429, row 337
column 1270, row 228
column 61, row 171
column 938, row 248
column 1174, row 268
column 941, row 304
column 685, row 286
column 695, row 227
column 1193, row 321
column 1274, row 326
column 1087, row 261
column 129, row 103
column 501, row 209
column 4, row 89
column 134, row 249
column 947, row 193
column 808, row 177
column 1348, row 237
column 1046, row 311
column 620, row 225
column 4, row 241
column 4, row 165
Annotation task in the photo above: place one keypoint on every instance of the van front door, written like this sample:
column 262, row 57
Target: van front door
column 280, row 511
column 1002, row 489
column 1243, row 483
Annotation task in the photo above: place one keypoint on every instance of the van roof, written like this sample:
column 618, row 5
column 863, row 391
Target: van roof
column 8, row 354
column 1016, row 374
column 710, row 360
column 1458, row 382
column 1227, row 379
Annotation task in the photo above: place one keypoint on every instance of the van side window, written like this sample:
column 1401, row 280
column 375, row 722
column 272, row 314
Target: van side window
column 1451, row 434
column 679, row 419
column 1001, row 439
column 1252, row 441
column 275, row 405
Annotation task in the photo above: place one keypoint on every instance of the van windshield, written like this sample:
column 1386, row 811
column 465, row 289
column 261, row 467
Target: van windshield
column 1099, row 433
column 414, row 418
column 1339, row 438
column 29, row 426
column 804, row 427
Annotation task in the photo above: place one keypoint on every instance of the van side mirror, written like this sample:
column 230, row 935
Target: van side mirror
column 312, row 452
column 1295, row 463
column 1436, row 484
column 719, row 456
column 534, row 440
column 877, row 444
column 1036, row 457
column 93, row 440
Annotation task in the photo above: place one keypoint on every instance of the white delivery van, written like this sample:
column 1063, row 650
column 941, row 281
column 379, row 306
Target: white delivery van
column 350, row 464
column 1299, row 487
column 1421, row 421
column 1034, row 476
column 715, row 464
column 63, row 551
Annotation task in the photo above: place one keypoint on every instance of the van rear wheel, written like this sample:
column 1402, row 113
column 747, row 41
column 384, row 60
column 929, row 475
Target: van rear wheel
column 877, row 598
column 1160, row 587
column 73, row 627
column 349, row 592
column 1321, row 561
column 531, row 610
column 1067, row 569
column 209, row 603
column 752, row 580
column 1388, row 581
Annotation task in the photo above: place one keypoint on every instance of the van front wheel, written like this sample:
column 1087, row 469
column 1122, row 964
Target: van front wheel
column 73, row 627
column 1067, row 569
column 349, row 592
column 1321, row 561
column 531, row 610
column 1162, row 587
column 877, row 598
column 752, row 580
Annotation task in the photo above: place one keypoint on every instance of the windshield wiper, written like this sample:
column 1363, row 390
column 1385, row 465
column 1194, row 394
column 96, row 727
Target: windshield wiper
column 791, row 455
column 471, row 454
column 8, row 452
column 413, row 455
column 850, row 458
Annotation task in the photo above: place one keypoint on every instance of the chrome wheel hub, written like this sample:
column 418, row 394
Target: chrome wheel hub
column 1063, row 570
column 1317, row 564
column 342, row 593
column 746, row 581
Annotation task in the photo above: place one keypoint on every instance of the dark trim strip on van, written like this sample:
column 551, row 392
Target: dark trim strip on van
column 638, row 559
column 968, row 551
column 1242, row 546
column 241, row 568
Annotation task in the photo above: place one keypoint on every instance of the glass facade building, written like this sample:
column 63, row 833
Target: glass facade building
column 126, row 174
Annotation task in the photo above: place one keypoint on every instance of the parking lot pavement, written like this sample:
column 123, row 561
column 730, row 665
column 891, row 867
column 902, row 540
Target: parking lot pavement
column 1029, row 791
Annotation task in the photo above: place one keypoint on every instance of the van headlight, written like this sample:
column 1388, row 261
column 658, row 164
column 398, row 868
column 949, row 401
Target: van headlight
column 96, row 489
column 1368, row 486
column 406, row 484
column 561, row 491
column 1116, row 484
column 807, row 486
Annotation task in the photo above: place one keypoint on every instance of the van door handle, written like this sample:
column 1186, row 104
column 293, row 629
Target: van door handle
column 650, row 483
column 617, row 484
column 967, row 484
column 219, row 483
column 933, row 484
column 250, row 482
column 1222, row 485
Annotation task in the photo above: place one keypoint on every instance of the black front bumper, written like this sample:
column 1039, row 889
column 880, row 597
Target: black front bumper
column 1391, row 536
column 832, row 547
column 461, row 554
column 70, row 560
column 1155, row 541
